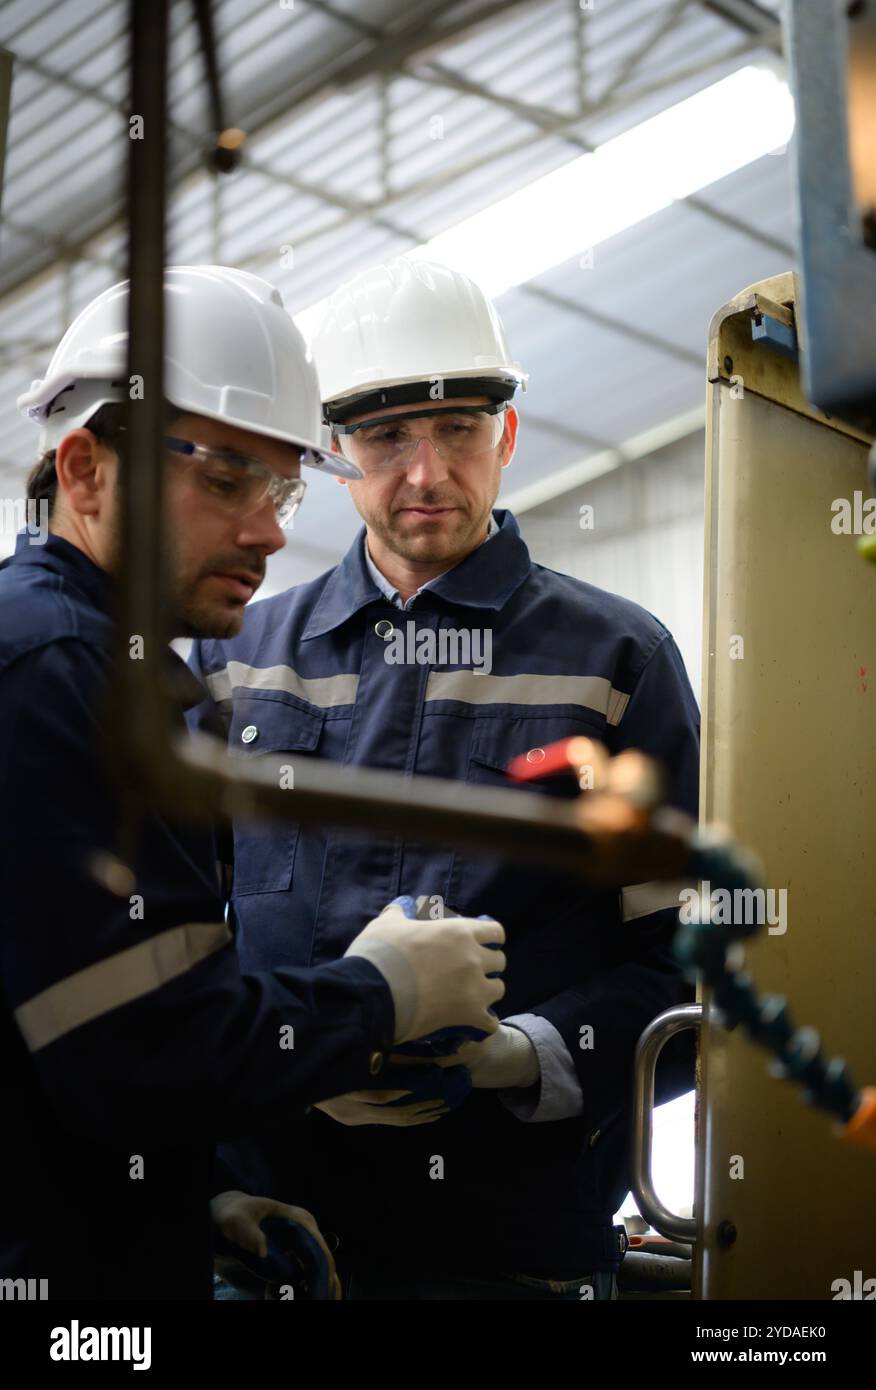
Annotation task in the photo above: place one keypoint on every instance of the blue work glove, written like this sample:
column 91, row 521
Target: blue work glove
column 267, row 1247
column 423, row 1083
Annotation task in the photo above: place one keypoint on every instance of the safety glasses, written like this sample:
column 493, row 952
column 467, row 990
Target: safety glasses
column 462, row 435
column 237, row 484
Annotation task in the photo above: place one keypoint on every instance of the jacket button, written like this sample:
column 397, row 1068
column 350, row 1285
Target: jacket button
column 375, row 1063
column 383, row 628
column 249, row 734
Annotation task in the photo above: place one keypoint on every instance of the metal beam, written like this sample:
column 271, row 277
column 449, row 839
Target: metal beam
column 443, row 76
column 58, row 245
column 394, row 48
column 5, row 88
column 546, row 122
column 558, row 123
column 563, row 480
column 197, row 142
column 551, row 122
column 560, row 430
column 375, row 211
column 579, row 22
column 750, row 18
column 397, row 46
column 45, row 13
column 638, row 335
column 659, row 32
column 737, row 224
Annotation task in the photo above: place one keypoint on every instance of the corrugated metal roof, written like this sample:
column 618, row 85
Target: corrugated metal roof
column 403, row 148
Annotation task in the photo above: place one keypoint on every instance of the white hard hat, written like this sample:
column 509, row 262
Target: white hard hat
column 404, row 324
column 232, row 353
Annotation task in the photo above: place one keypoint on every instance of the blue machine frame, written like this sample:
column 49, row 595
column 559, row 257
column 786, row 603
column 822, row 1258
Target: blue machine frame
column 838, row 267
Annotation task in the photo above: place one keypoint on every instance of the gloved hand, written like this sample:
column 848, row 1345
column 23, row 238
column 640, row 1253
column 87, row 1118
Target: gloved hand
column 432, row 1092
column 507, row 1058
column 296, row 1254
column 438, row 971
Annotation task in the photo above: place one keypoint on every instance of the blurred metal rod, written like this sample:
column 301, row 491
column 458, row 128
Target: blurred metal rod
column 511, row 822
column 138, row 715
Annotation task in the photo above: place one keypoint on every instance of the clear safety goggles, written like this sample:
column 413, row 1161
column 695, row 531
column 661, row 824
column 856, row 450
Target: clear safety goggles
column 460, row 434
column 238, row 484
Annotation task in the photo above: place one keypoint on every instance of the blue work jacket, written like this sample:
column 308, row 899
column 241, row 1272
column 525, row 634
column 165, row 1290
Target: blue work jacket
column 331, row 670
column 129, row 1040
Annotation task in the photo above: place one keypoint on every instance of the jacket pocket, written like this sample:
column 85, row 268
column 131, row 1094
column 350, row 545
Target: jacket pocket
column 504, row 887
column 273, row 731
column 496, row 740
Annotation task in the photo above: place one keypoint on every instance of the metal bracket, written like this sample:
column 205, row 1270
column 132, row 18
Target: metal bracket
column 773, row 333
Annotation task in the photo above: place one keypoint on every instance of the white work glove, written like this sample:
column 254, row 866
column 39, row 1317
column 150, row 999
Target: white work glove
column 238, row 1215
column 436, row 970
column 507, row 1058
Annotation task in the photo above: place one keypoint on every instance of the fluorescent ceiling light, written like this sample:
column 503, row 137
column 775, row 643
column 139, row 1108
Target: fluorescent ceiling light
column 569, row 211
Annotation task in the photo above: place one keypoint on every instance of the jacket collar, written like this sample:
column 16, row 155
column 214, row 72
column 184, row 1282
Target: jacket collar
column 60, row 557
column 484, row 579
column 95, row 584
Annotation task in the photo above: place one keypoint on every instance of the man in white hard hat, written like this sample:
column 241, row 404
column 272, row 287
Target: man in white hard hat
column 438, row 647
column 129, row 1039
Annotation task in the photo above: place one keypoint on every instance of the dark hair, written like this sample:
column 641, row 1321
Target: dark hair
column 42, row 481
column 106, row 424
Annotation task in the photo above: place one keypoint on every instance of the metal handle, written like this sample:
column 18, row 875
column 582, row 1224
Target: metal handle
column 648, row 1049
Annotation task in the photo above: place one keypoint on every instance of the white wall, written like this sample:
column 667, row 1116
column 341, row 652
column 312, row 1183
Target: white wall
column 647, row 538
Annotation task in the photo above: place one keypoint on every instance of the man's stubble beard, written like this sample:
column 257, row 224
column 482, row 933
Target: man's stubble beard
column 189, row 617
column 432, row 548
column 193, row 616
column 194, row 620
column 452, row 546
